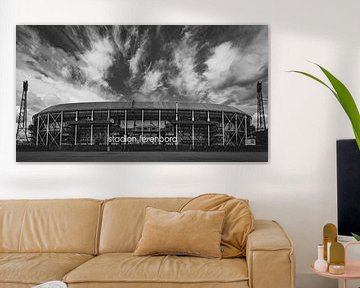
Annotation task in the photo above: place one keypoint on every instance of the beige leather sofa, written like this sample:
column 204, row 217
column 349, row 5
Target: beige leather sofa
column 89, row 243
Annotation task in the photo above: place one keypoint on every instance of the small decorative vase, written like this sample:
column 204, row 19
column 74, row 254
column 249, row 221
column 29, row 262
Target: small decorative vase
column 320, row 264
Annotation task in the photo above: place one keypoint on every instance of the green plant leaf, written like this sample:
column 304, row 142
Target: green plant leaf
column 316, row 79
column 356, row 236
column 347, row 102
column 344, row 97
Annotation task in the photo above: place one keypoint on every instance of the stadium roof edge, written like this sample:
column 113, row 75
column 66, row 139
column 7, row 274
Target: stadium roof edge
column 114, row 105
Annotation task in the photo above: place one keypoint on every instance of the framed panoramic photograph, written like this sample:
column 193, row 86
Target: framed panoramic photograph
column 125, row 93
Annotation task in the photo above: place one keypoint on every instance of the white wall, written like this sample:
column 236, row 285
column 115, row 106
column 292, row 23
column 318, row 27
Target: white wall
column 298, row 185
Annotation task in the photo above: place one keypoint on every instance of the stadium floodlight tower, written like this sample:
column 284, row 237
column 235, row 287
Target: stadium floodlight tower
column 260, row 119
column 21, row 132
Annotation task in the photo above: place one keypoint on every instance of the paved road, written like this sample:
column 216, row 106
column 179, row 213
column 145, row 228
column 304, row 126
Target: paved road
column 143, row 156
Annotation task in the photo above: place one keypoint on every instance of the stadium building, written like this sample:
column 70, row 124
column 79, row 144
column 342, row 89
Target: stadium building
column 141, row 123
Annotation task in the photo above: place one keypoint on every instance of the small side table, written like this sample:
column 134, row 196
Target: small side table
column 352, row 269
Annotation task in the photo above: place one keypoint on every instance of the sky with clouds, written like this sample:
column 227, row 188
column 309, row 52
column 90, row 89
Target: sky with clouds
column 207, row 64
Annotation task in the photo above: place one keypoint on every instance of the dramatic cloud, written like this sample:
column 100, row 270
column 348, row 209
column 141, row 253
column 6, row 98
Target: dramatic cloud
column 209, row 64
column 188, row 82
column 98, row 60
column 152, row 81
column 139, row 58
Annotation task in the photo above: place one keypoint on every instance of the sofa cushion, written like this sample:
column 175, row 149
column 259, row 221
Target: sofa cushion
column 193, row 232
column 126, row 268
column 62, row 226
column 239, row 220
column 36, row 268
column 123, row 220
column 15, row 285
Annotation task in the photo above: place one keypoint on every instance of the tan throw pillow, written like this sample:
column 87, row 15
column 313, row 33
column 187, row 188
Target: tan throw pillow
column 239, row 220
column 196, row 233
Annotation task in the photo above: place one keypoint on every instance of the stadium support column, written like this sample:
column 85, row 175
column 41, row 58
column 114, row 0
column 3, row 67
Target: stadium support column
column 108, row 128
column 125, row 128
column 245, row 127
column 61, row 126
column 176, row 123
column 192, row 129
column 159, row 125
column 208, row 127
column 47, row 128
column 92, row 128
column 142, row 124
column 37, row 130
column 236, row 129
column 223, row 127
column 76, row 126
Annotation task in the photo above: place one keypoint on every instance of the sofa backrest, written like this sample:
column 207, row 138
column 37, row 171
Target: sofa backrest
column 123, row 220
column 66, row 226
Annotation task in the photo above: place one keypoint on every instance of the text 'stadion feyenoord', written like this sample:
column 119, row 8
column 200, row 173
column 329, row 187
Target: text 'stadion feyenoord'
column 142, row 139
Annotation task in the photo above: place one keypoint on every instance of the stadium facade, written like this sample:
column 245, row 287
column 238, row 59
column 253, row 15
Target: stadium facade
column 141, row 123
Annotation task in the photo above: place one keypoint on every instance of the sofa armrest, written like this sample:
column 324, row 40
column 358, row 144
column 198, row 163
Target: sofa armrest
column 269, row 255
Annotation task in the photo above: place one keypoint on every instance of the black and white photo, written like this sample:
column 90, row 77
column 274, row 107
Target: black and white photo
column 125, row 93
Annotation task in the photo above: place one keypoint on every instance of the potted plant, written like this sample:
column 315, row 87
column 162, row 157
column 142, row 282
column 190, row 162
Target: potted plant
column 346, row 100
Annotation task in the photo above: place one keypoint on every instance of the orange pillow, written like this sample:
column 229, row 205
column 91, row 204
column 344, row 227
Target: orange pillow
column 196, row 233
column 238, row 224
